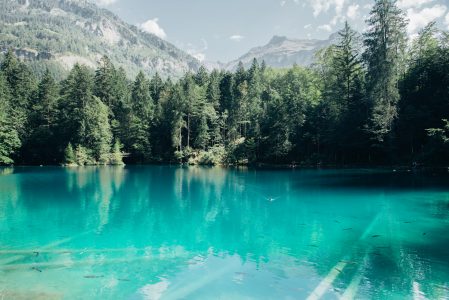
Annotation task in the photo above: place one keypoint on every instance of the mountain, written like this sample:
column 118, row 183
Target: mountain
column 282, row 52
column 59, row 33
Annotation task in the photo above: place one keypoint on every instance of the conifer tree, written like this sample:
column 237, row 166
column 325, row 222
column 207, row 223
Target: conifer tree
column 21, row 83
column 385, row 43
column 142, row 115
column 84, row 118
column 69, row 156
column 9, row 137
column 41, row 143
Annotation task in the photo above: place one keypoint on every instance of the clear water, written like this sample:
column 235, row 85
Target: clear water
column 154, row 232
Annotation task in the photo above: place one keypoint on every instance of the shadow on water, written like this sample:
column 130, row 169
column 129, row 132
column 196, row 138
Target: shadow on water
column 375, row 179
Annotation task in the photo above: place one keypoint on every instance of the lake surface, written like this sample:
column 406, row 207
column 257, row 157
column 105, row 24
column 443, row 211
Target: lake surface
column 157, row 232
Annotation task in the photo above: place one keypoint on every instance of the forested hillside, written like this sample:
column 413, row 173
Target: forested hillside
column 374, row 98
column 57, row 34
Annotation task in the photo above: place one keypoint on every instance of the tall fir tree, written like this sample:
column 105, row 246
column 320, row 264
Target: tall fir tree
column 41, row 144
column 84, row 118
column 21, row 83
column 385, row 43
column 350, row 136
column 9, row 137
column 142, row 114
column 424, row 96
column 105, row 83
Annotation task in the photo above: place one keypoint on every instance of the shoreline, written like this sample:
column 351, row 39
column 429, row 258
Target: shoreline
column 261, row 166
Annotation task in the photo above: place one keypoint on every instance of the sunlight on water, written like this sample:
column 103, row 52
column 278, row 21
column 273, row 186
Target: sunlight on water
column 204, row 233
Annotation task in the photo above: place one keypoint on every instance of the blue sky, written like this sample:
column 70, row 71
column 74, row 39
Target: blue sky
column 224, row 30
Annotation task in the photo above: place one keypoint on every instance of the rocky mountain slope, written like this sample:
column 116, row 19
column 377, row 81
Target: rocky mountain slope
column 60, row 33
column 282, row 52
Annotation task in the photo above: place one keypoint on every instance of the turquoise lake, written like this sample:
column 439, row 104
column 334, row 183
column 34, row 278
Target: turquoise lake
column 160, row 232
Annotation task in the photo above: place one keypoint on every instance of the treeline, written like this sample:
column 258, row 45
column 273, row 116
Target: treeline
column 374, row 98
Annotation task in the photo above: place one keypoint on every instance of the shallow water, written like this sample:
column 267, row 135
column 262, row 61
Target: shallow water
column 150, row 232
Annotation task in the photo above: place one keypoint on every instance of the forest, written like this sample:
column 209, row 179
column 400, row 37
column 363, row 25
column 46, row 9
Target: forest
column 376, row 98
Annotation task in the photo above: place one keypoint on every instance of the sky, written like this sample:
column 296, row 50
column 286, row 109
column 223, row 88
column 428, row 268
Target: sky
column 223, row 30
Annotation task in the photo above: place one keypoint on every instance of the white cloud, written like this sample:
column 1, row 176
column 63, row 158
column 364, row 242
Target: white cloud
column 325, row 27
column 152, row 26
column 236, row 37
column 353, row 11
column 283, row 3
column 322, row 6
column 307, row 26
column 420, row 18
column 104, row 2
column 197, row 52
column 413, row 3
column 339, row 4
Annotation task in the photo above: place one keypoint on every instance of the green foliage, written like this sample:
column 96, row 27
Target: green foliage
column 385, row 43
column 83, row 156
column 140, row 120
column 440, row 134
column 9, row 137
column 339, row 119
column 276, row 132
column 424, row 96
column 215, row 156
column 42, row 122
column 95, row 131
column 70, row 158
column 84, row 118
column 117, row 155
column 20, row 83
column 356, row 105
column 438, row 147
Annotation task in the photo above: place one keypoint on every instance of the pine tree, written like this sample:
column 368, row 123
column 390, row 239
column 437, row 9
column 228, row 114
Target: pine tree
column 156, row 87
column 213, row 104
column 202, row 76
column 142, row 115
column 385, row 43
column 117, row 155
column 424, row 96
column 202, row 134
column 347, row 62
column 9, row 137
column 41, row 144
column 121, row 110
column 254, row 112
column 95, row 132
column 84, row 118
column 174, row 115
column 76, row 93
column 69, row 156
column 276, row 134
column 105, row 83
column 349, row 135
column 227, row 106
column 111, row 86
column 21, row 83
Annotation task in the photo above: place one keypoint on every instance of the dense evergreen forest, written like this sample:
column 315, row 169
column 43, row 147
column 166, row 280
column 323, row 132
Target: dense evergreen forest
column 373, row 98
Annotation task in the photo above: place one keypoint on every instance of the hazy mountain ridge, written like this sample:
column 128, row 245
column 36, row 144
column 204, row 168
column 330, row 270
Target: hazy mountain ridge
column 283, row 52
column 60, row 33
